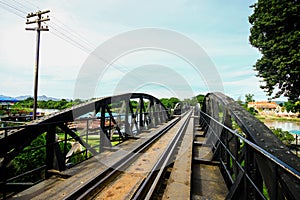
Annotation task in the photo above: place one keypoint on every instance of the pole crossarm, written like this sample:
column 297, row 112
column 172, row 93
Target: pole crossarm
column 38, row 21
column 37, row 13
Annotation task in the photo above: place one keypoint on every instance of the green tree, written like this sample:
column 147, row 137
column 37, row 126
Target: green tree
column 200, row 98
column 249, row 98
column 30, row 159
column 174, row 101
column 252, row 111
column 293, row 107
column 275, row 32
column 134, row 104
column 284, row 136
column 169, row 103
column 165, row 102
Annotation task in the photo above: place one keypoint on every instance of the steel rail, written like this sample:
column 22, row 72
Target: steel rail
column 152, row 180
column 91, row 187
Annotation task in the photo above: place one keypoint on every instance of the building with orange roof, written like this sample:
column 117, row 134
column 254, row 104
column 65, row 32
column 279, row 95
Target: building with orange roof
column 265, row 107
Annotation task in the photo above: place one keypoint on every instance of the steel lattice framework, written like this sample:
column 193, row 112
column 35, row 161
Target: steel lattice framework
column 251, row 158
column 102, row 117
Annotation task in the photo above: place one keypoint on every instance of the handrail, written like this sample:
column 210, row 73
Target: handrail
column 265, row 153
column 267, row 160
column 150, row 112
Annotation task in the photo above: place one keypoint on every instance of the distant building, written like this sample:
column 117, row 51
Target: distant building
column 6, row 102
column 265, row 107
column 270, row 108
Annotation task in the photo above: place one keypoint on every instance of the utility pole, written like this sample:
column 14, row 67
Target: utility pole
column 38, row 29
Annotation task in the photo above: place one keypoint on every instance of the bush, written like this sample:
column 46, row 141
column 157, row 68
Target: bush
column 29, row 160
column 284, row 136
column 252, row 111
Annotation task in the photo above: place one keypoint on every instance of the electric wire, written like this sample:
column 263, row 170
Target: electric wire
column 64, row 32
column 12, row 9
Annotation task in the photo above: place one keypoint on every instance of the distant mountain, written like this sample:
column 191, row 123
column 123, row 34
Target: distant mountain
column 7, row 99
column 45, row 98
column 23, row 97
column 40, row 98
column 279, row 102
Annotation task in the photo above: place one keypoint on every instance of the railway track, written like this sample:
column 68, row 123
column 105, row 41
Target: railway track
column 140, row 174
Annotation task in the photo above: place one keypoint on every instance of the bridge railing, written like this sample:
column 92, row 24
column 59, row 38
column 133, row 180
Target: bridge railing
column 35, row 161
column 59, row 141
column 60, row 146
column 254, row 162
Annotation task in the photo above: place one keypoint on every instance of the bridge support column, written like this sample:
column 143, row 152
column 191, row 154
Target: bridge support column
column 251, row 168
column 54, row 157
column 104, row 140
column 225, row 157
column 141, row 113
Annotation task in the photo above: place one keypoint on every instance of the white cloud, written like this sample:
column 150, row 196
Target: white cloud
column 220, row 28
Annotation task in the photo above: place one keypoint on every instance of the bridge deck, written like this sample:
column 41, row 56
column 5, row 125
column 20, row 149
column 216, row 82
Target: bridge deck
column 189, row 179
column 179, row 183
column 207, row 180
column 59, row 186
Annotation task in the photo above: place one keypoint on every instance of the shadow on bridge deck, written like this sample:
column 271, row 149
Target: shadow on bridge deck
column 61, row 184
column 207, row 180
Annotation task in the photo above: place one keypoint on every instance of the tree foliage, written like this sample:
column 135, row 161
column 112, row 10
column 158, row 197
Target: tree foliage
column 284, row 136
column 249, row 98
column 24, row 105
column 191, row 102
column 200, row 98
column 275, row 32
column 169, row 103
column 293, row 107
column 29, row 160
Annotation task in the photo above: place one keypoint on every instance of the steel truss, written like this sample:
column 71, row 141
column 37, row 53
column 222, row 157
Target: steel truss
column 254, row 162
column 108, row 119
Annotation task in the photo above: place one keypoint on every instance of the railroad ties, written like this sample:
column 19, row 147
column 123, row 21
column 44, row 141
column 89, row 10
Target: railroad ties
column 207, row 180
column 162, row 163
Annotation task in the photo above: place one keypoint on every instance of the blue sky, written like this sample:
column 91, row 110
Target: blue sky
column 220, row 28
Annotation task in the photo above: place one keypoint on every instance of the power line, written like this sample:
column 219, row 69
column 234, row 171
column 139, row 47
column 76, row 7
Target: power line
column 12, row 6
column 62, row 31
column 68, row 39
column 70, row 31
column 21, row 5
column 32, row 5
column 69, row 36
column 12, row 9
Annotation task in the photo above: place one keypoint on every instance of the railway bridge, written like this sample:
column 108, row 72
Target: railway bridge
column 109, row 149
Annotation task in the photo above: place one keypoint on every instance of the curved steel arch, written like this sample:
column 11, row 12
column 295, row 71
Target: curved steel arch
column 279, row 182
column 14, row 140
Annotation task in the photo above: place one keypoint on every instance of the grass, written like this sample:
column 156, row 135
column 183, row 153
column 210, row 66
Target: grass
column 93, row 140
column 268, row 117
column 265, row 191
